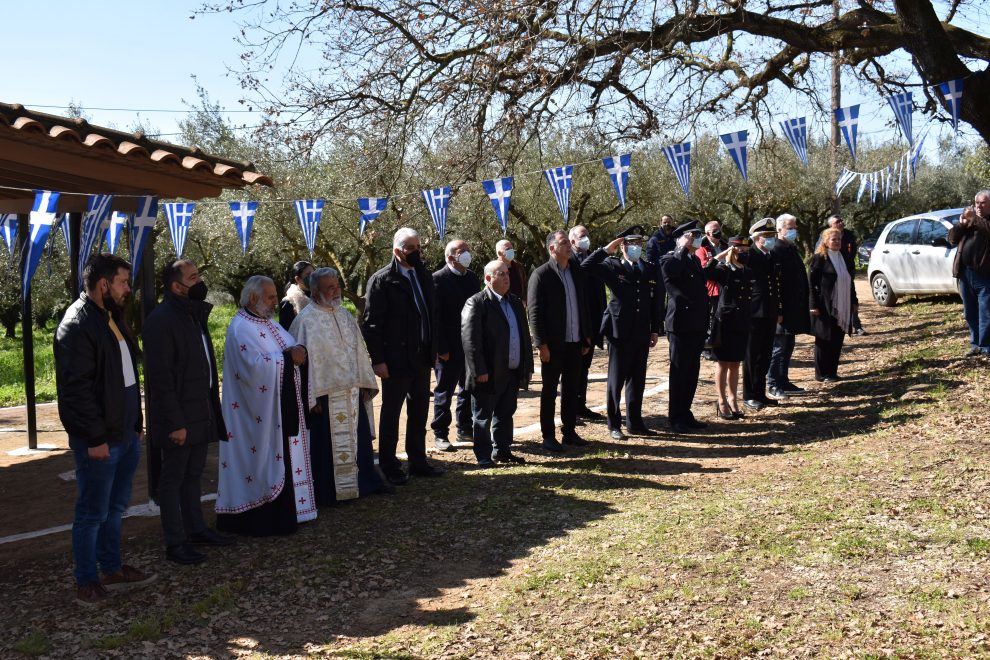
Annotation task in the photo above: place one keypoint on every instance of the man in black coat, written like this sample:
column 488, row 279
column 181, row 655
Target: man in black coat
column 184, row 407
column 765, row 314
column 399, row 327
column 631, row 324
column 561, row 332
column 453, row 285
column 795, row 318
column 498, row 361
column 686, row 324
column 594, row 299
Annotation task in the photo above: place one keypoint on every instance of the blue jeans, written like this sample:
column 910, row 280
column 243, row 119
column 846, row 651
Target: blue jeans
column 975, row 291
column 780, row 359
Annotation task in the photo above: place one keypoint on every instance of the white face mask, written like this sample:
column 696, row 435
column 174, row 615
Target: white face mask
column 464, row 259
column 510, row 254
column 584, row 243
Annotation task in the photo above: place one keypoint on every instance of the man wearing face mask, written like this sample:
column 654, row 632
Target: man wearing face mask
column 400, row 328
column 764, row 314
column 184, row 407
column 794, row 316
column 506, row 253
column 712, row 243
column 594, row 299
column 631, row 324
column 453, row 284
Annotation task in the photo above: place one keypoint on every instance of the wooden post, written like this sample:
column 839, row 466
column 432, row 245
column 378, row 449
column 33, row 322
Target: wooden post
column 836, row 102
column 146, row 272
column 27, row 333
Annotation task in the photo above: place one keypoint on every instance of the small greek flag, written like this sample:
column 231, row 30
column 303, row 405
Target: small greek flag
column 679, row 157
column 309, row 211
column 873, row 187
column 112, row 234
column 736, row 144
column 8, row 228
column 848, row 121
column 437, row 201
column 139, row 228
column 903, row 108
column 916, row 154
column 243, row 221
column 371, row 208
column 499, row 191
column 844, row 180
column 952, row 91
column 179, row 215
column 42, row 217
column 796, row 132
column 864, row 181
column 618, row 170
column 559, row 179
column 97, row 208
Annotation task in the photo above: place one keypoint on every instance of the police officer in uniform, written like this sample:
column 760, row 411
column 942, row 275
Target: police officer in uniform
column 631, row 324
column 686, row 324
column 765, row 314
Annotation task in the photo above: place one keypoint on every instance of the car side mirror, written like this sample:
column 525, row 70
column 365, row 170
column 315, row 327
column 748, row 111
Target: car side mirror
column 940, row 241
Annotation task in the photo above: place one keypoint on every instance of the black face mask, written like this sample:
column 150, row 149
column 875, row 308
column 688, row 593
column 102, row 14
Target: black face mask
column 198, row 291
column 414, row 259
column 743, row 257
column 717, row 234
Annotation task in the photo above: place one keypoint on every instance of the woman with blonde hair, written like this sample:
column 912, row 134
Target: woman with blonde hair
column 833, row 303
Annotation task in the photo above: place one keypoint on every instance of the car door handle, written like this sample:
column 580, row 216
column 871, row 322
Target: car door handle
column 916, row 252
column 886, row 251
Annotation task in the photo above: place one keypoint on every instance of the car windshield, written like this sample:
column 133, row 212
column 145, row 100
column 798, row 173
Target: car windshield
column 951, row 219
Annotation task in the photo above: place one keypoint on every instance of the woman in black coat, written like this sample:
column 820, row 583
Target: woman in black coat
column 833, row 304
column 730, row 330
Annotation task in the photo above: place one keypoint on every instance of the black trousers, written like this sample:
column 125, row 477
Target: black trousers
column 627, row 371
column 758, row 350
column 450, row 376
column 492, row 416
column 564, row 368
column 827, row 352
column 685, row 364
column 414, row 391
column 179, row 491
column 583, row 378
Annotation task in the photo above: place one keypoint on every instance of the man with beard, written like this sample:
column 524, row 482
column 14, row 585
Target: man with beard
column 341, row 386
column 266, row 486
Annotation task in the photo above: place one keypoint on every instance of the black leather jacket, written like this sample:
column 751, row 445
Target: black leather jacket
column 89, row 376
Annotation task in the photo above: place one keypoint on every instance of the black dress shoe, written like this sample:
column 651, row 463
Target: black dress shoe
column 386, row 489
column 210, row 537
column 508, row 457
column 552, row 445
column 695, row 424
column 486, row 463
column 588, row 413
column 681, row 428
column 395, row 476
column 574, row 440
column 442, row 444
column 184, row 554
column 425, row 471
column 641, row 430
column 616, row 434
column 754, row 404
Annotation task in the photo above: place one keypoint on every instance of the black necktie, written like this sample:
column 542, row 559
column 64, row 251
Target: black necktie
column 424, row 314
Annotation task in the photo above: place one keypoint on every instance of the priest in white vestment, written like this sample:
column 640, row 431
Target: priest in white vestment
column 265, row 486
column 341, row 386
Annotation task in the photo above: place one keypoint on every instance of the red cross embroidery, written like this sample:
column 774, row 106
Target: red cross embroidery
column 296, row 441
column 229, row 435
column 254, row 450
column 234, row 405
column 258, row 419
column 249, row 479
column 224, row 464
column 298, row 471
column 243, row 347
column 263, row 389
column 302, row 500
column 267, row 359
column 263, row 335
column 274, row 488
column 278, row 457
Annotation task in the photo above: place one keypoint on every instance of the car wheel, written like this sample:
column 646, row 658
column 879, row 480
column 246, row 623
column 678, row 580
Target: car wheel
column 883, row 293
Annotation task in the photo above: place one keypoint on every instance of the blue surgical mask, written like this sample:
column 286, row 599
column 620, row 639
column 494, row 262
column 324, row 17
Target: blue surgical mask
column 791, row 235
column 768, row 243
column 633, row 252
column 510, row 254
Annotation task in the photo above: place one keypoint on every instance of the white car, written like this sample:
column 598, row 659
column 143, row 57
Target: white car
column 913, row 256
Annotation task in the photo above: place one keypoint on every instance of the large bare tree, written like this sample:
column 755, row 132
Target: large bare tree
column 501, row 71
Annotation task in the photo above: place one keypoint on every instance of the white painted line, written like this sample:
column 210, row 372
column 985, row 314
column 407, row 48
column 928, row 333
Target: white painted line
column 26, row 451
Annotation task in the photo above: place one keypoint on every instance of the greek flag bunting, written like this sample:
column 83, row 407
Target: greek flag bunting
column 97, row 208
column 179, row 215
column 618, row 170
column 112, row 234
column 796, row 132
column 371, row 208
column 309, row 211
column 437, row 202
column 952, row 91
column 903, row 108
column 139, row 228
column 864, row 181
column 243, row 221
column 848, row 120
column 499, row 191
column 42, row 218
column 679, row 157
column 8, row 228
column 559, row 179
column 844, row 180
column 736, row 144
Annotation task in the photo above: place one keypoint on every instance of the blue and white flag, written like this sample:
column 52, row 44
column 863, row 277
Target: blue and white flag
column 874, row 187
column 371, row 208
column 844, row 180
column 62, row 225
column 112, row 234
column 679, row 157
column 903, row 108
column 437, row 202
column 42, row 217
column 796, row 132
column 848, row 120
column 179, row 216
column 864, row 181
column 309, row 211
column 618, row 170
column 916, row 153
column 8, row 228
column 139, row 228
column 97, row 208
column 952, row 91
column 244, row 221
column 559, row 179
column 736, row 143
column 499, row 191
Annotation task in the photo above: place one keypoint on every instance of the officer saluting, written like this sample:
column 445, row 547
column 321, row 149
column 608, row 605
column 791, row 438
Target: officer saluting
column 686, row 324
column 631, row 324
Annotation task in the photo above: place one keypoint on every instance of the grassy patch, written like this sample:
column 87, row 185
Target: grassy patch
column 34, row 643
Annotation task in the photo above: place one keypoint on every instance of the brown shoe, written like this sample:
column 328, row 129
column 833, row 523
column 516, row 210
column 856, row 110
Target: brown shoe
column 92, row 595
column 128, row 577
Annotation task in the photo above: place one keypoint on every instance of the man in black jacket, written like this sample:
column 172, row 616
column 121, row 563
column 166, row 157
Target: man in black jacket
column 100, row 408
column 453, row 285
column 399, row 327
column 795, row 318
column 594, row 299
column 765, row 314
column 499, row 361
column 561, row 333
column 184, row 407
